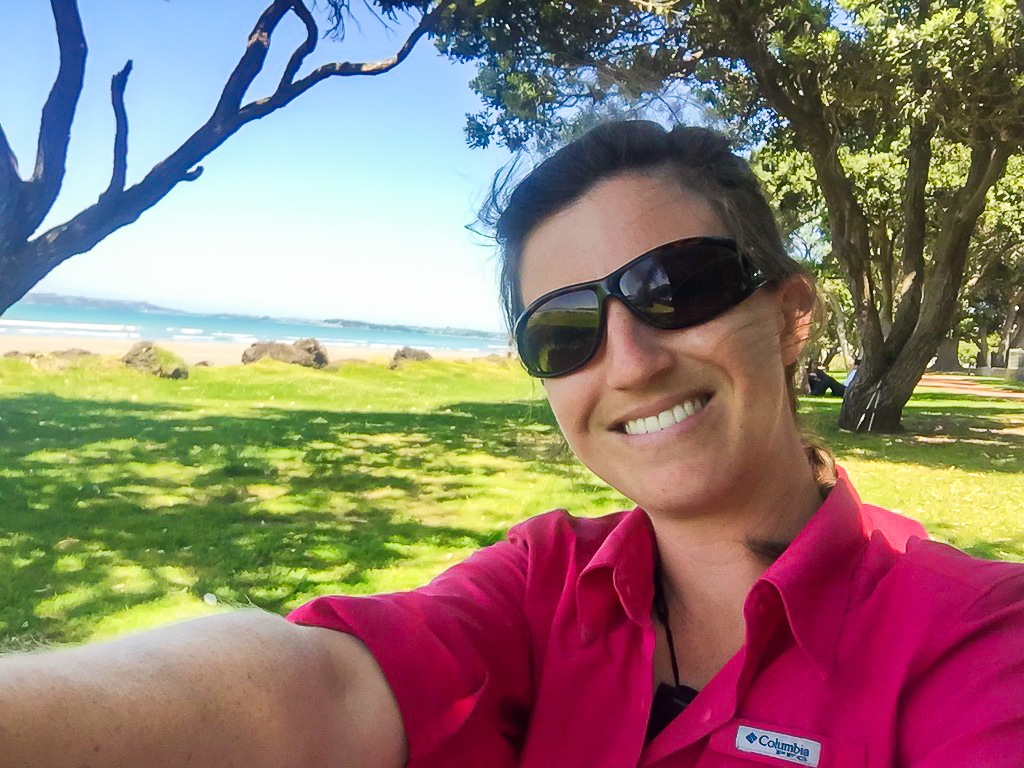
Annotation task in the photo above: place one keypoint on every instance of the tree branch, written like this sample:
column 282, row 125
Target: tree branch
column 96, row 222
column 58, row 113
column 117, row 87
column 349, row 69
column 988, row 164
column 8, row 161
column 915, row 215
column 307, row 47
column 252, row 60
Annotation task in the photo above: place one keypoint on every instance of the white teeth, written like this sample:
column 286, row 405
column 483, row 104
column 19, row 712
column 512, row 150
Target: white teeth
column 665, row 419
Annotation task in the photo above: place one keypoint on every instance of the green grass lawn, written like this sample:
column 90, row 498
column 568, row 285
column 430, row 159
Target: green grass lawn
column 127, row 499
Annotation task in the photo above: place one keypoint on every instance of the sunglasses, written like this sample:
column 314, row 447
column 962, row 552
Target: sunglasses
column 676, row 285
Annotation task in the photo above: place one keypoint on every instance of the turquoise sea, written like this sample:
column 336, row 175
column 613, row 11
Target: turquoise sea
column 42, row 319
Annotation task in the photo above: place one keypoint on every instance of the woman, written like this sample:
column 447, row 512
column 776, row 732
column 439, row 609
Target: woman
column 750, row 611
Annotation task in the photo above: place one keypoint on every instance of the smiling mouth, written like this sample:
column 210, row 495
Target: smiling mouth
column 667, row 418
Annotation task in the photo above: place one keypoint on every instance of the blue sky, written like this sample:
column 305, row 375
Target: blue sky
column 350, row 202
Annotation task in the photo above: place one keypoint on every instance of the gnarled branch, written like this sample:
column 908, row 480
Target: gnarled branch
column 118, row 83
column 307, row 47
column 251, row 63
column 10, row 185
column 58, row 113
column 119, row 206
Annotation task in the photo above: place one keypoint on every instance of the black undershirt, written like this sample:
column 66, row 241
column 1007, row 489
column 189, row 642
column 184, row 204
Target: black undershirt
column 669, row 700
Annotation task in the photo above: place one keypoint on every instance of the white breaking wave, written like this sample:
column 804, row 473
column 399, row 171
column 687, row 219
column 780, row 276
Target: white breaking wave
column 77, row 327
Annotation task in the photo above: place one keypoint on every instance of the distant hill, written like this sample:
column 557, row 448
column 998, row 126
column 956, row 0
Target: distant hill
column 446, row 331
column 83, row 302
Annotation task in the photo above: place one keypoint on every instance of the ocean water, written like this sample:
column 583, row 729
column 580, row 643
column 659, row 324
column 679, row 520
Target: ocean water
column 55, row 320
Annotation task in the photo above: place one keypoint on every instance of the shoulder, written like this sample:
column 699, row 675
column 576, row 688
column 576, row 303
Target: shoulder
column 559, row 534
column 956, row 575
column 939, row 598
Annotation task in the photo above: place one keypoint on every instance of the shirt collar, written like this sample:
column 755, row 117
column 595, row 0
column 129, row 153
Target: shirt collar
column 625, row 562
column 814, row 575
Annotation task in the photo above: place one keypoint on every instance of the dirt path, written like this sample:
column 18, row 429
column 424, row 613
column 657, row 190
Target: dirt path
column 962, row 385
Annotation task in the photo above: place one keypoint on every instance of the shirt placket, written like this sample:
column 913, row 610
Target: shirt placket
column 683, row 741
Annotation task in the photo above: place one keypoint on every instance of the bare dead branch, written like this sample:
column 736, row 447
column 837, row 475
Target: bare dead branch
column 8, row 160
column 307, row 47
column 58, row 113
column 348, row 69
column 91, row 225
column 10, row 189
column 252, row 60
column 118, row 83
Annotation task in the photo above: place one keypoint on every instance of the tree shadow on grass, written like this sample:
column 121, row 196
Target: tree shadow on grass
column 110, row 505
column 972, row 433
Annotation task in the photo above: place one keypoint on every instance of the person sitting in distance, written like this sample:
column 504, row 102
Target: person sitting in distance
column 751, row 610
column 820, row 383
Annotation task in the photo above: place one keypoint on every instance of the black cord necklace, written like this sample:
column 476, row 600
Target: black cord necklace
column 669, row 700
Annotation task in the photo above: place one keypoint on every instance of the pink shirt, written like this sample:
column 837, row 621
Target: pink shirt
column 866, row 646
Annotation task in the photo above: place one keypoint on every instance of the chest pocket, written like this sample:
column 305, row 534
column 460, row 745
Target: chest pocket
column 745, row 744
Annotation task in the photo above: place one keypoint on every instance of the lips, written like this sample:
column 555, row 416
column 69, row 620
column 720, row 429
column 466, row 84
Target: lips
column 667, row 418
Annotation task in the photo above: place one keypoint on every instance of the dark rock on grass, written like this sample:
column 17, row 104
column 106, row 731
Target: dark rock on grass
column 306, row 352
column 408, row 354
column 72, row 354
column 203, row 364
column 146, row 357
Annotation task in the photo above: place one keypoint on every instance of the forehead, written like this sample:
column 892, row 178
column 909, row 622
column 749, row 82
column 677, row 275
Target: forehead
column 615, row 222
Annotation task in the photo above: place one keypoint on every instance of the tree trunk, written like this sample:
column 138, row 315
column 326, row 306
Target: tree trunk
column 1012, row 329
column 947, row 356
column 876, row 405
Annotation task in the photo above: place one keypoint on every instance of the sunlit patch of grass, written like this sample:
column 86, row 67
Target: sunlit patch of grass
column 958, row 467
column 127, row 498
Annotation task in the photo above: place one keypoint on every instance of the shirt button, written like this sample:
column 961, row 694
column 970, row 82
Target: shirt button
column 705, row 716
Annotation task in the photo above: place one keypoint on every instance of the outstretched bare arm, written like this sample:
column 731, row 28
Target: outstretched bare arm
column 243, row 689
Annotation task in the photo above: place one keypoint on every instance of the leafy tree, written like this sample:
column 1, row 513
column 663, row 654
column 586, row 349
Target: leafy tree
column 26, row 255
column 993, row 306
column 873, row 93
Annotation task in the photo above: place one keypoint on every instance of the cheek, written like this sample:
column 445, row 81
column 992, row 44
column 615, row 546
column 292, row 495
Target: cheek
column 569, row 402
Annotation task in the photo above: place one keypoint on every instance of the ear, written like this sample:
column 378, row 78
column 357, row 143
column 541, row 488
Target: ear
column 796, row 299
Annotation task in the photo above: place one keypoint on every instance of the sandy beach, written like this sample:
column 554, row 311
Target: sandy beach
column 192, row 352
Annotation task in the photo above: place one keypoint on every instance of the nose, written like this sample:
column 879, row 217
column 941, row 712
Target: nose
column 634, row 353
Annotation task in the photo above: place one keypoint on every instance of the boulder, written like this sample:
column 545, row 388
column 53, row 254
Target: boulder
column 73, row 354
column 148, row 358
column 306, row 352
column 408, row 354
column 16, row 355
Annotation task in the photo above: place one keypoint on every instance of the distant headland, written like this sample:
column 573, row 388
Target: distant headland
column 83, row 302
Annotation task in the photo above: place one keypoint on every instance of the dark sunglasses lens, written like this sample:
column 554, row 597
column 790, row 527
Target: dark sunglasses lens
column 679, row 286
column 561, row 334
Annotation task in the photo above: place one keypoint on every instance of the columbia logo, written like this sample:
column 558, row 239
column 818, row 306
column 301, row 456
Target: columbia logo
column 783, row 747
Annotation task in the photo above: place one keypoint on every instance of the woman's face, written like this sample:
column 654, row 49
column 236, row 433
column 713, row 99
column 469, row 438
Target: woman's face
column 728, row 371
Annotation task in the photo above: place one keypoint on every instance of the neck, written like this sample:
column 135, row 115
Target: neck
column 709, row 562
